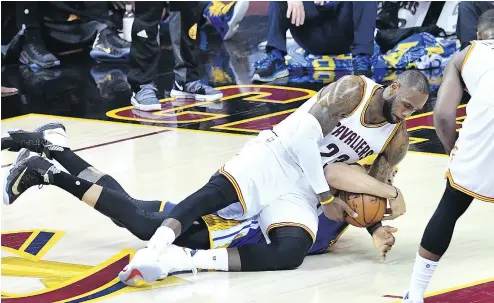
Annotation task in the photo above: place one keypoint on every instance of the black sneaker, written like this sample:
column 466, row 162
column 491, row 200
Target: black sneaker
column 28, row 170
column 34, row 53
column 108, row 46
column 270, row 68
column 46, row 138
column 196, row 90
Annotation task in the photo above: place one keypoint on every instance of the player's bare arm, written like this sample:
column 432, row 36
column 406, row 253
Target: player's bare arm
column 335, row 101
column 345, row 177
column 385, row 163
column 448, row 98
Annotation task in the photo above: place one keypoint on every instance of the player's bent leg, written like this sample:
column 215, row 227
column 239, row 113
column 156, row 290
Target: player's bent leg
column 29, row 170
column 287, row 250
column 436, row 239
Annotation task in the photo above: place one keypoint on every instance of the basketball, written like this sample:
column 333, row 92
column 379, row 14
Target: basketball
column 370, row 209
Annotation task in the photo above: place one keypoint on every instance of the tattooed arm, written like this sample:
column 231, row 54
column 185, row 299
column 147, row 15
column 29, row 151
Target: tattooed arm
column 334, row 101
column 384, row 164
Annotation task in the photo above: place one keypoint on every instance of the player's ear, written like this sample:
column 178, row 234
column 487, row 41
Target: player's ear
column 394, row 87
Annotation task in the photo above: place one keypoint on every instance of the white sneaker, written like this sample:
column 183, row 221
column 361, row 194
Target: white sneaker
column 176, row 259
column 144, row 266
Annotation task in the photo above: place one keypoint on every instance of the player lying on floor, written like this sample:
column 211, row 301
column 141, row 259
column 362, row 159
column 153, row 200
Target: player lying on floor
column 208, row 232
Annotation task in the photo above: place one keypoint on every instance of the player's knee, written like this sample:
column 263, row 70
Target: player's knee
column 292, row 245
column 289, row 258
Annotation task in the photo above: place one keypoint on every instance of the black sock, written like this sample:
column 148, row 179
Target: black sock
column 139, row 222
column 70, row 161
column 108, row 181
column 74, row 185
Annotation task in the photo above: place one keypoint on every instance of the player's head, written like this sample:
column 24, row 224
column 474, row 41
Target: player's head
column 485, row 25
column 405, row 95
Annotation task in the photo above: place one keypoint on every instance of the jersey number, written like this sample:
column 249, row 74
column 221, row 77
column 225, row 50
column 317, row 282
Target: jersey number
column 333, row 150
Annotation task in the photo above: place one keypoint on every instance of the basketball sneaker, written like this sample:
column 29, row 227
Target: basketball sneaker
column 44, row 139
column 195, row 90
column 149, row 267
column 28, row 170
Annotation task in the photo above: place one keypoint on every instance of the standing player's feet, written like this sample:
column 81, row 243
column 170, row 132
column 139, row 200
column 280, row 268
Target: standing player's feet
column 195, row 90
column 46, row 138
column 28, row 170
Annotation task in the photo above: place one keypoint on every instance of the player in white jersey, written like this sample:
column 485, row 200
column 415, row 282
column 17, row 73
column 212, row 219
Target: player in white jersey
column 277, row 176
column 470, row 169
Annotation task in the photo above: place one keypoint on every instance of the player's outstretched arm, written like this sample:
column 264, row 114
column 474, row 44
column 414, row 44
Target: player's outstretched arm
column 345, row 177
column 384, row 164
column 334, row 102
column 448, row 98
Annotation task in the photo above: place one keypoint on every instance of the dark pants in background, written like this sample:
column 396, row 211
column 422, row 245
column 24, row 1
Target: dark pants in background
column 144, row 52
column 468, row 16
column 50, row 19
column 336, row 28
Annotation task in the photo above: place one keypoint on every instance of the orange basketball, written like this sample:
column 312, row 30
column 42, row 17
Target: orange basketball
column 370, row 209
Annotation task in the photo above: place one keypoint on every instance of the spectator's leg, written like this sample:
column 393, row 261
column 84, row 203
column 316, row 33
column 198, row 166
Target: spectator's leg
column 364, row 25
column 29, row 17
column 278, row 24
column 468, row 16
column 185, row 40
column 273, row 66
column 144, row 55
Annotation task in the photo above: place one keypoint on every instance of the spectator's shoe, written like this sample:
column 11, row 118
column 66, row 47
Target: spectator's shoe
column 362, row 66
column 37, row 80
column 110, row 79
column 28, row 170
column 145, row 99
column 225, row 18
column 270, row 68
column 44, row 139
column 388, row 17
column 35, row 55
column 196, row 90
column 108, row 46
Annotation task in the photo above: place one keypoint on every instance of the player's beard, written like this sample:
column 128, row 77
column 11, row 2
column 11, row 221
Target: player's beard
column 388, row 111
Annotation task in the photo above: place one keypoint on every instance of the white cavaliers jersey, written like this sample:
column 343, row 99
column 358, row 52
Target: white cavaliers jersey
column 471, row 164
column 352, row 139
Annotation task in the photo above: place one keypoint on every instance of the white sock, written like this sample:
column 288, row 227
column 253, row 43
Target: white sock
column 162, row 238
column 422, row 273
column 216, row 259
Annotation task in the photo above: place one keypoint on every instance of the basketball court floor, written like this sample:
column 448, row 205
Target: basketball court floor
column 57, row 249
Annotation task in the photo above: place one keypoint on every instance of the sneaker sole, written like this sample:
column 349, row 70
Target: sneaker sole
column 35, row 66
column 23, row 154
column 145, row 107
column 238, row 14
column 278, row 75
column 100, row 55
column 184, row 95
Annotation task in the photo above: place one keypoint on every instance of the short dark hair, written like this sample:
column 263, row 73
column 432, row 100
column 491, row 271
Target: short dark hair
column 486, row 21
column 414, row 79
